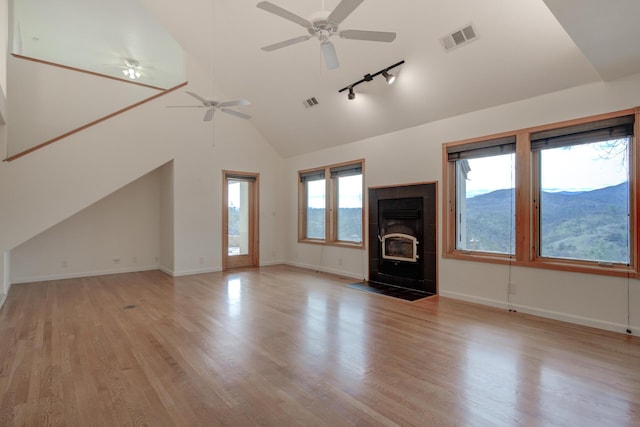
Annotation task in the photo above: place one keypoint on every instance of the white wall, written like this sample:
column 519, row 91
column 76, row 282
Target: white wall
column 4, row 43
column 166, row 218
column 4, row 40
column 4, row 49
column 415, row 155
column 198, row 194
column 208, row 148
column 60, row 100
column 117, row 234
column 46, row 187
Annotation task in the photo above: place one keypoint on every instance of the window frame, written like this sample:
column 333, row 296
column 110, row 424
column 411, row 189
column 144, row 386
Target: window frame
column 527, row 189
column 484, row 148
column 331, row 177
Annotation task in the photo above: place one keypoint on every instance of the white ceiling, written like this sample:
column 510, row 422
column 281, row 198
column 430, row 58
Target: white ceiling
column 98, row 36
column 524, row 48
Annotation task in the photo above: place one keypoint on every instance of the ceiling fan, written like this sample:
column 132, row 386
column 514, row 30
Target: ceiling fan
column 323, row 25
column 131, row 68
column 216, row 105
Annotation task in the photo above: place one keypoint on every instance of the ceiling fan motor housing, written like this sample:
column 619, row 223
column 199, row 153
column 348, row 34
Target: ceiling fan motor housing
column 322, row 27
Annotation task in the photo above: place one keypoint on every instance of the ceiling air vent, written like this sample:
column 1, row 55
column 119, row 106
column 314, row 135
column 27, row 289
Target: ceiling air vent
column 311, row 102
column 460, row 37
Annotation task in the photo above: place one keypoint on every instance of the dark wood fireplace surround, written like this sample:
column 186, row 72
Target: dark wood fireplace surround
column 404, row 210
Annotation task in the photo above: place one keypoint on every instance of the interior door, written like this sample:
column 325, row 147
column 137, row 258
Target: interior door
column 240, row 220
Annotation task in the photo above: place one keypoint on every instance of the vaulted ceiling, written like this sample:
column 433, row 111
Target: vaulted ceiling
column 523, row 49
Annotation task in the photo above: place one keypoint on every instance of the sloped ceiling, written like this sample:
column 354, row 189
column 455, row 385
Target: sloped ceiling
column 524, row 48
column 605, row 31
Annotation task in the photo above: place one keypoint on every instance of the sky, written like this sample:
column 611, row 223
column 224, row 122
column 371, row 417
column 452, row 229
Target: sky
column 575, row 168
column 233, row 194
column 350, row 193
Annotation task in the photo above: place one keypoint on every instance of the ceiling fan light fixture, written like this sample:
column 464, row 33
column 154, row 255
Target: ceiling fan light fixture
column 131, row 72
column 352, row 94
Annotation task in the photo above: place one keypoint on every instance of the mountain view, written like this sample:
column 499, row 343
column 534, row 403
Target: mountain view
column 588, row 225
column 349, row 227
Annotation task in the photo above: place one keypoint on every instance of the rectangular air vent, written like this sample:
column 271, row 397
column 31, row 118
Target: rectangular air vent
column 311, row 102
column 459, row 37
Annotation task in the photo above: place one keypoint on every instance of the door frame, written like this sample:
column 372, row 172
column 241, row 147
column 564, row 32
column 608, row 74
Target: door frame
column 253, row 258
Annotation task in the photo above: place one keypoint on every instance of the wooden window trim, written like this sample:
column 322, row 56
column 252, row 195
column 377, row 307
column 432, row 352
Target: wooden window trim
column 527, row 187
column 331, row 199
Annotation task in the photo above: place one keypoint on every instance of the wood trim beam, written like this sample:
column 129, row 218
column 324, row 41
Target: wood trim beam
column 523, row 198
column 93, row 123
column 81, row 70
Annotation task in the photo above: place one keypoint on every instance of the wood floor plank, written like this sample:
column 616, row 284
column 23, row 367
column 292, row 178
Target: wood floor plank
column 281, row 345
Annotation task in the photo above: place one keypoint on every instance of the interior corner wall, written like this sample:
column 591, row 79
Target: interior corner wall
column 119, row 233
column 227, row 144
column 166, row 261
column 186, row 214
column 414, row 155
column 5, row 283
column 3, row 140
column 208, row 148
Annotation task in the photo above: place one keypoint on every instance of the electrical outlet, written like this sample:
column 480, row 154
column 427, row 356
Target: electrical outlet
column 64, row 264
column 513, row 289
column 201, row 260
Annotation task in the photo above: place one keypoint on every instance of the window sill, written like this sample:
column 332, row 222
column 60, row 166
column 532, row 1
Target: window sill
column 336, row 243
column 615, row 270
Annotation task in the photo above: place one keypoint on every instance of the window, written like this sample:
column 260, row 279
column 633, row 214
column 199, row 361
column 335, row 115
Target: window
column 484, row 196
column 558, row 196
column 331, row 204
column 583, row 190
column 316, row 206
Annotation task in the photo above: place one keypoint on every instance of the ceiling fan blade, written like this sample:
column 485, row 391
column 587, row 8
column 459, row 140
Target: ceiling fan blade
column 199, row 98
column 208, row 115
column 185, row 106
column 286, row 43
column 330, row 56
column 374, row 36
column 236, row 113
column 343, row 10
column 233, row 103
column 277, row 10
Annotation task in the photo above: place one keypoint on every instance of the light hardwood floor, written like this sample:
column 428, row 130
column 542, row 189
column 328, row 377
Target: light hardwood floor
column 281, row 346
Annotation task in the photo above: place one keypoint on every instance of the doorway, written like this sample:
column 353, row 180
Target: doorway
column 240, row 219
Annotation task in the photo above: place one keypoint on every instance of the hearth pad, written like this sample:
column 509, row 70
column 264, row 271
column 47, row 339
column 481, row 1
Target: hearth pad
column 389, row 290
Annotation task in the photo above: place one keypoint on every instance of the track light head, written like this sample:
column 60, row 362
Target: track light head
column 352, row 94
column 390, row 78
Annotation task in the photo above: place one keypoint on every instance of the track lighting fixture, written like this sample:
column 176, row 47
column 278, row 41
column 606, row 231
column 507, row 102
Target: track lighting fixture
column 390, row 78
